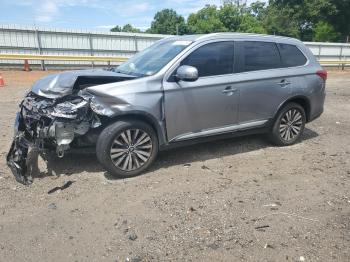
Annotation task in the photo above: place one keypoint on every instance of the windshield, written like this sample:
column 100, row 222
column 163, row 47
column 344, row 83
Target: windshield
column 152, row 59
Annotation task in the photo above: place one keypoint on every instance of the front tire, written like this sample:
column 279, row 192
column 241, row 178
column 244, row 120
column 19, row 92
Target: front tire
column 289, row 125
column 127, row 148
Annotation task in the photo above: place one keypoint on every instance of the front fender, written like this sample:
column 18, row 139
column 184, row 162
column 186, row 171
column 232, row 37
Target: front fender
column 143, row 106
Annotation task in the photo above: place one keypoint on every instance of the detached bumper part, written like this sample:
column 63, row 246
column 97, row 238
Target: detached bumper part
column 17, row 160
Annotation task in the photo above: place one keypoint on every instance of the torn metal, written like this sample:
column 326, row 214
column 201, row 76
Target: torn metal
column 54, row 114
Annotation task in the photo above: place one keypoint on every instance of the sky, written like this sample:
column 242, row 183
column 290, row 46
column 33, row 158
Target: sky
column 92, row 14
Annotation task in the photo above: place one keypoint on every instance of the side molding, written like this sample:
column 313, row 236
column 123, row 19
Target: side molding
column 220, row 130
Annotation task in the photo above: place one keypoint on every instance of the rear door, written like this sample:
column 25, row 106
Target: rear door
column 262, row 80
column 199, row 108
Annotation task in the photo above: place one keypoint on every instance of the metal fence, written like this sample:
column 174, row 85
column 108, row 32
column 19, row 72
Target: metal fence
column 330, row 51
column 31, row 40
column 16, row 39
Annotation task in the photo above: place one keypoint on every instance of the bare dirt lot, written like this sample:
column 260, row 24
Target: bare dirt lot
column 233, row 200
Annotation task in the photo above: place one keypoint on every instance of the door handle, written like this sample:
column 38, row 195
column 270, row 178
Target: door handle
column 284, row 83
column 229, row 89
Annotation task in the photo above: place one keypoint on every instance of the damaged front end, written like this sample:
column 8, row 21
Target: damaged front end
column 55, row 115
column 48, row 124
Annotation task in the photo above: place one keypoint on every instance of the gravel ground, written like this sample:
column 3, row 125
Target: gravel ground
column 232, row 200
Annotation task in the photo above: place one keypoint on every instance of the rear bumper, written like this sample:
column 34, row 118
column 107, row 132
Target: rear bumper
column 317, row 101
column 315, row 116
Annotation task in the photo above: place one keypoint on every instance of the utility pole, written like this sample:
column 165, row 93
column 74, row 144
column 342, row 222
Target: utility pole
column 177, row 29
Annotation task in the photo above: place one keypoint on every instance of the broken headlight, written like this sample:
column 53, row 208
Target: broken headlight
column 69, row 109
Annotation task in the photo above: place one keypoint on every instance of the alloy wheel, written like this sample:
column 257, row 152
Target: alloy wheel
column 291, row 124
column 131, row 149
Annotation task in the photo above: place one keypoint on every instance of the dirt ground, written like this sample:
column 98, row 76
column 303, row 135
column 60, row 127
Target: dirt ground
column 233, row 200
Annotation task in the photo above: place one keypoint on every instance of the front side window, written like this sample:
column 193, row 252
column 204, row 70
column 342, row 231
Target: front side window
column 260, row 56
column 212, row 59
column 291, row 55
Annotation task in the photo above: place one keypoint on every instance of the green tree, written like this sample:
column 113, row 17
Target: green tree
column 317, row 20
column 340, row 19
column 206, row 20
column 297, row 17
column 230, row 16
column 167, row 21
column 324, row 32
column 241, row 18
column 250, row 24
column 275, row 24
column 117, row 28
column 126, row 28
column 130, row 28
column 258, row 9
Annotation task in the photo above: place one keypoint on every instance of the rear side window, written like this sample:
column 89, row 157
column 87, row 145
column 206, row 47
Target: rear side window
column 291, row 55
column 260, row 56
column 212, row 59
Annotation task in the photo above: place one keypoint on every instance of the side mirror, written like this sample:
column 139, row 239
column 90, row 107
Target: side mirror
column 187, row 73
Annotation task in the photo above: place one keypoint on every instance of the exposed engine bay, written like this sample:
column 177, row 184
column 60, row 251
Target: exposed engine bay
column 55, row 115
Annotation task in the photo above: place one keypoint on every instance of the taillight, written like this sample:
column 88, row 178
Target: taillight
column 322, row 74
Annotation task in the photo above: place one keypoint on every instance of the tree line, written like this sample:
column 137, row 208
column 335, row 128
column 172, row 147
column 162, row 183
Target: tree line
column 307, row 20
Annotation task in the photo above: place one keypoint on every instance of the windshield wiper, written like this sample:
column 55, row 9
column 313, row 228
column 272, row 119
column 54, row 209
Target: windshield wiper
column 127, row 73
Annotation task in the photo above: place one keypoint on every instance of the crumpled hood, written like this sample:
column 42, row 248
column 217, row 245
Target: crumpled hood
column 62, row 84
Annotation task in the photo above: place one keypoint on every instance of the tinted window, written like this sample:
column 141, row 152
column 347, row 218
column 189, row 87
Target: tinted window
column 291, row 55
column 212, row 59
column 260, row 56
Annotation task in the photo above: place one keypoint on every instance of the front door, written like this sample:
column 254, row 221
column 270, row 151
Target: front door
column 207, row 105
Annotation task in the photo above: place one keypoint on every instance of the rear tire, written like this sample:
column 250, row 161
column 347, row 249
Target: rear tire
column 127, row 148
column 289, row 125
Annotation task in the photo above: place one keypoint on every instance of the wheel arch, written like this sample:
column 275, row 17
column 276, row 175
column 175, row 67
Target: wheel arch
column 303, row 101
column 145, row 117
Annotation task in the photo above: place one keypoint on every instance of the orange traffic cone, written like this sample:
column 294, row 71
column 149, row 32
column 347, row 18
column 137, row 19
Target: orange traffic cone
column 2, row 82
column 26, row 66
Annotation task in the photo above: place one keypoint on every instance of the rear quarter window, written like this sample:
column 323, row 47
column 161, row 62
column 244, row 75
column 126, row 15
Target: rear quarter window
column 291, row 55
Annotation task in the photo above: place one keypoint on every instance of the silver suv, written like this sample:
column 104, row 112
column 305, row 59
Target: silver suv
column 178, row 91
